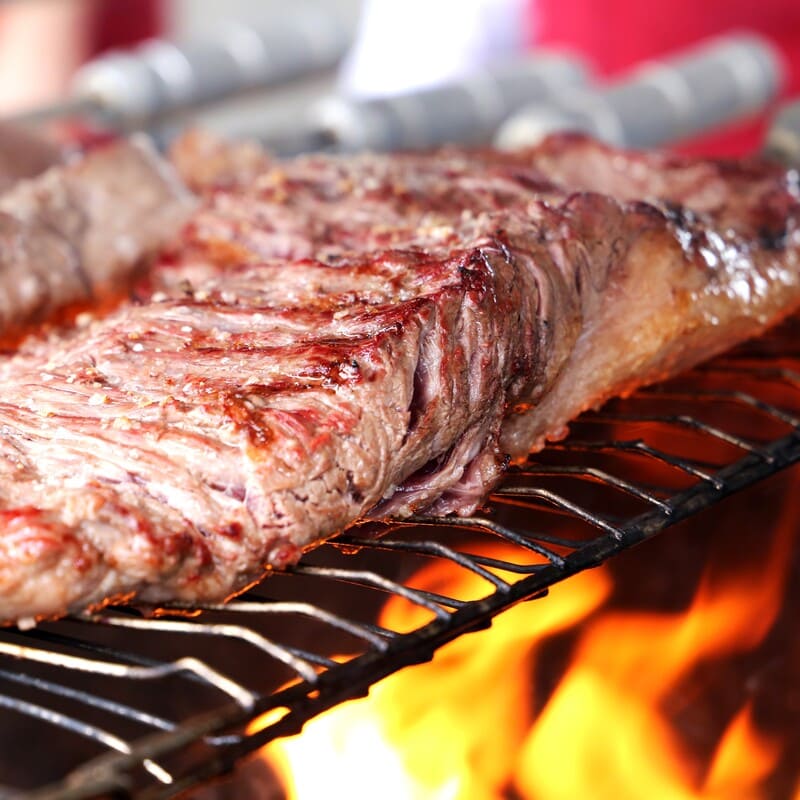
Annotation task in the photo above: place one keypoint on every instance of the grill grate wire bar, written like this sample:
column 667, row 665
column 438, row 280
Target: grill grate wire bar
column 624, row 451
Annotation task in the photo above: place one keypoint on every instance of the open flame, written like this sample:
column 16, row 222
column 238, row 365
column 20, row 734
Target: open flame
column 470, row 726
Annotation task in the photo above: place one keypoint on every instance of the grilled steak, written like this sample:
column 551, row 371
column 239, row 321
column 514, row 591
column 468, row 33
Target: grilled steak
column 344, row 338
column 73, row 234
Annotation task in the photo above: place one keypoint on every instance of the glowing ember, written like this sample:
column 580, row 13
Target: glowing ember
column 461, row 728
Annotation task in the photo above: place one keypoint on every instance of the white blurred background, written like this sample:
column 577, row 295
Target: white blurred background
column 399, row 44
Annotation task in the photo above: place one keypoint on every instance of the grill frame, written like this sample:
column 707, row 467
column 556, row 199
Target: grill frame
column 324, row 683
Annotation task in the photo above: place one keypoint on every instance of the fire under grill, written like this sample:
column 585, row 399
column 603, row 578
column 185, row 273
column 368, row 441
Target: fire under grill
column 150, row 702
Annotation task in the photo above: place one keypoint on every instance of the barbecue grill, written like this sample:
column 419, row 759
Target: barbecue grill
column 150, row 702
column 95, row 685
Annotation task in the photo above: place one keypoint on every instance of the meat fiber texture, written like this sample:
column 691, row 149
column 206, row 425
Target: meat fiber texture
column 335, row 339
column 73, row 235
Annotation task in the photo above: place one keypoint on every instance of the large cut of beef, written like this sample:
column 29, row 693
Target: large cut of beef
column 73, row 235
column 332, row 339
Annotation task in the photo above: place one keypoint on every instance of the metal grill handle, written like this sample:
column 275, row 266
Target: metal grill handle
column 661, row 102
column 161, row 77
column 467, row 111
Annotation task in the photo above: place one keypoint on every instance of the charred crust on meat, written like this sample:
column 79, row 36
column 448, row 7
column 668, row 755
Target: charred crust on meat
column 241, row 411
column 355, row 494
column 346, row 372
column 235, row 491
column 233, row 530
column 477, row 273
column 678, row 214
column 772, row 239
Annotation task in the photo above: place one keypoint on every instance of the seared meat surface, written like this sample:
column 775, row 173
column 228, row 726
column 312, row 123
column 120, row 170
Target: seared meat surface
column 74, row 234
column 336, row 339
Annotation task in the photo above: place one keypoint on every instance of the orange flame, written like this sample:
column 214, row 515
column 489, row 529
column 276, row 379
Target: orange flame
column 459, row 737
column 459, row 728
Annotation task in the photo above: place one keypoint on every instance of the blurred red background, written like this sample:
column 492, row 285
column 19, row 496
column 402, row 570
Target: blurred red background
column 617, row 34
column 122, row 22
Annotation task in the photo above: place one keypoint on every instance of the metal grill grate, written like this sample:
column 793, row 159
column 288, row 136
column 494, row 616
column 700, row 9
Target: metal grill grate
column 151, row 702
